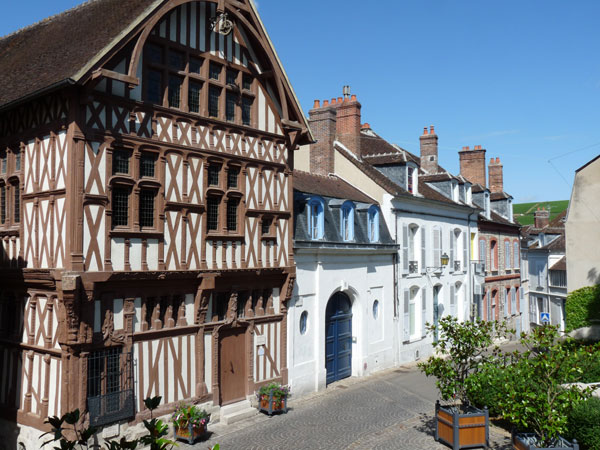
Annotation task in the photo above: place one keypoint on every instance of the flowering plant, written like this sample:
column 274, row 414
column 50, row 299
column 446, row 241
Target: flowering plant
column 187, row 415
column 278, row 391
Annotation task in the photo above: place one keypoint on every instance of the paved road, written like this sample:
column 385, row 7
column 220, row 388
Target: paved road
column 390, row 410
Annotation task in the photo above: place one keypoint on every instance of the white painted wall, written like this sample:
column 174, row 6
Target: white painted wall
column 364, row 276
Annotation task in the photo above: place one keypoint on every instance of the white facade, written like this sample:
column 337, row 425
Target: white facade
column 424, row 232
column 366, row 276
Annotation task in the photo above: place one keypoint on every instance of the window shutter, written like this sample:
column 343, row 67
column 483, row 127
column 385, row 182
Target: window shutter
column 522, row 299
column 424, row 312
column 452, row 238
column 507, row 258
column 437, row 254
column 504, row 302
column 406, row 316
column 404, row 248
column 452, row 301
column 513, row 303
column 516, row 255
column 465, row 252
column 488, row 302
column 423, row 249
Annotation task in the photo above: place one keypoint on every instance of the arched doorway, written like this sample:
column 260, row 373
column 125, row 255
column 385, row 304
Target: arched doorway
column 338, row 337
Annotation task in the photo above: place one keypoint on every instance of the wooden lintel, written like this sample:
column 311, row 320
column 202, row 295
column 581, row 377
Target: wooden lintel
column 267, row 74
column 291, row 125
column 131, row 81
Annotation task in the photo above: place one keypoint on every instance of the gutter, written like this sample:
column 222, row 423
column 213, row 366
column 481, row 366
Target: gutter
column 47, row 90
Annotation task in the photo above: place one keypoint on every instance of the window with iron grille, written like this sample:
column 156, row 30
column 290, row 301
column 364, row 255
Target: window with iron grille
column 17, row 204
column 232, row 219
column 154, row 53
column 147, row 162
column 212, row 214
column 213, row 101
column 154, row 87
column 2, row 204
column 175, row 91
column 120, row 162
column 246, row 110
column 146, row 208
column 120, row 206
column 110, row 386
column 247, row 82
column 214, row 71
column 213, row 175
column 232, row 178
column 232, row 76
column 230, row 102
column 194, row 96
column 266, row 226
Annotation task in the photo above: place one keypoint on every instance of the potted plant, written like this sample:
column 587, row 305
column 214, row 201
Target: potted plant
column 272, row 398
column 190, row 422
column 542, row 408
column 458, row 355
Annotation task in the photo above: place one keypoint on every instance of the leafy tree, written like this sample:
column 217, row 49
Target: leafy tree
column 582, row 306
column 459, row 352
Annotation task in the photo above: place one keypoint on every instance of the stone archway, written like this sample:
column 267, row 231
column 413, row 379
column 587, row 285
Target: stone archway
column 338, row 337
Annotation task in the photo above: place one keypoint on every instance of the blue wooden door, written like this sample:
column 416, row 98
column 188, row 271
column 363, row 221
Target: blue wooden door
column 338, row 337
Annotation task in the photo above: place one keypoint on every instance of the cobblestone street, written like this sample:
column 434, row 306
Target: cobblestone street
column 390, row 410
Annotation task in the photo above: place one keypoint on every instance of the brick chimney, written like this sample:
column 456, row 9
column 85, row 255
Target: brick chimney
column 322, row 122
column 429, row 150
column 348, row 123
column 541, row 218
column 472, row 164
column 495, row 175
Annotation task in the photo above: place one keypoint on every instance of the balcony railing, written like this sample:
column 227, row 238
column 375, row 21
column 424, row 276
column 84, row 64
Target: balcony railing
column 456, row 266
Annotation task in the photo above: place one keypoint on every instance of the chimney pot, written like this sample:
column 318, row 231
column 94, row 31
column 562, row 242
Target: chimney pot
column 340, row 99
column 333, row 101
column 325, row 103
column 366, row 126
column 431, row 130
column 491, row 160
column 425, row 132
column 497, row 160
column 353, row 98
column 317, row 104
column 467, row 148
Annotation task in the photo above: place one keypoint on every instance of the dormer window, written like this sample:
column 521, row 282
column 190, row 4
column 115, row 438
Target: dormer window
column 373, row 224
column 487, row 205
column 468, row 194
column 454, row 190
column 315, row 218
column 347, row 221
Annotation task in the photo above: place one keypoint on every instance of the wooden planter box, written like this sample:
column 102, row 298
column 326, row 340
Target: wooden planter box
column 191, row 434
column 520, row 442
column 462, row 430
column 269, row 405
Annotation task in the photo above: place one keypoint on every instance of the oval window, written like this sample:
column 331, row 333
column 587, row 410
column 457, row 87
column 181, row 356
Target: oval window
column 375, row 309
column 303, row 322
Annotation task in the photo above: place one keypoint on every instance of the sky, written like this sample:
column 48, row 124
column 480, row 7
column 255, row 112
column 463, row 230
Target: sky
column 520, row 78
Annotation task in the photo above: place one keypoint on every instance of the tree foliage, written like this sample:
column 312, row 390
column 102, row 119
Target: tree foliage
column 582, row 306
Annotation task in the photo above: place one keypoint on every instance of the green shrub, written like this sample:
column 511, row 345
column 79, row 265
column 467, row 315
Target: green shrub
column 584, row 424
column 582, row 306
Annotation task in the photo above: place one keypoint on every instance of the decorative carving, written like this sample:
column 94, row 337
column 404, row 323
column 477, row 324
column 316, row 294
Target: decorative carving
column 232, row 307
column 290, row 288
column 108, row 327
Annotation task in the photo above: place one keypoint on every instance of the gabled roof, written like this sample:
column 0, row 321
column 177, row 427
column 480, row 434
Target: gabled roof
column 499, row 196
column 57, row 48
column 328, row 186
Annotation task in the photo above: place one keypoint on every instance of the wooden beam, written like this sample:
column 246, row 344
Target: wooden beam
column 115, row 76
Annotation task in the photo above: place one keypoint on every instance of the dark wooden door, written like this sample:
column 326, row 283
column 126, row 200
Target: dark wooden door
column 232, row 365
column 338, row 337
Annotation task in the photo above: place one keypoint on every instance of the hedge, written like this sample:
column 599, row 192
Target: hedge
column 582, row 306
column 584, row 424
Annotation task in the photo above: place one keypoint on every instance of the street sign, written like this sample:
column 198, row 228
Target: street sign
column 545, row 317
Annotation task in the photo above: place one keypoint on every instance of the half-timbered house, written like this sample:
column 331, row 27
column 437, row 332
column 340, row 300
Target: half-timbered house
column 146, row 153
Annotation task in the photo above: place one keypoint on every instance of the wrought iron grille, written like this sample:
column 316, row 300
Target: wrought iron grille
column 212, row 213
column 110, row 386
column 120, row 207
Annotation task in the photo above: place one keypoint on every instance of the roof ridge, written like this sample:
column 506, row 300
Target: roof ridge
column 329, row 175
column 47, row 19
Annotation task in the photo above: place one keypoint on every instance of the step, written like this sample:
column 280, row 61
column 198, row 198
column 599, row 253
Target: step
column 236, row 412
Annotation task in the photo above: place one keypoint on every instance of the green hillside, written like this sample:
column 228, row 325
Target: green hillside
column 523, row 212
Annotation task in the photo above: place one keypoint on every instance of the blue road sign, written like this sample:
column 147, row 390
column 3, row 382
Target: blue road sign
column 545, row 317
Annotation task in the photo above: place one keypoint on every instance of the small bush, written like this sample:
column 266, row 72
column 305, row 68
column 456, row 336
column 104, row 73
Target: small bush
column 582, row 306
column 584, row 424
